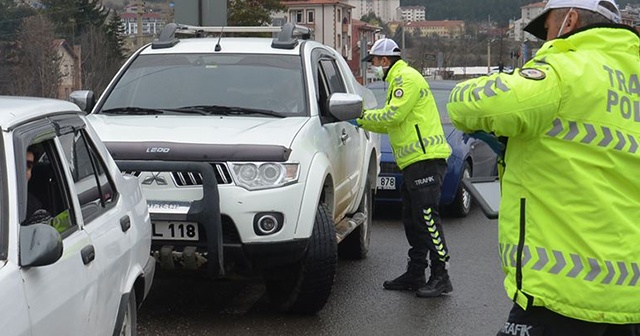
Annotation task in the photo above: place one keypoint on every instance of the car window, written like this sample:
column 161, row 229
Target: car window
column 172, row 81
column 47, row 190
column 441, row 96
column 333, row 76
column 94, row 189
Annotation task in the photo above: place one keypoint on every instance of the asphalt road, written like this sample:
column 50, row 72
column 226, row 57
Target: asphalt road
column 358, row 304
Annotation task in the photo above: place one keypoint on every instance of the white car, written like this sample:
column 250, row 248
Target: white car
column 247, row 158
column 80, row 263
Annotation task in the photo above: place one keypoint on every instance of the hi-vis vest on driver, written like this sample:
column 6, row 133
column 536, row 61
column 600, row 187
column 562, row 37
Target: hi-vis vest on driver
column 410, row 118
column 569, row 232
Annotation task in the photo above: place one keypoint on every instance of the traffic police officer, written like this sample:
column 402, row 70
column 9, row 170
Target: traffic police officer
column 411, row 119
column 570, row 213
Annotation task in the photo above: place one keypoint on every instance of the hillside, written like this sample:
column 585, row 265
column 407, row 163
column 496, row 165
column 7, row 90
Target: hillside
column 477, row 10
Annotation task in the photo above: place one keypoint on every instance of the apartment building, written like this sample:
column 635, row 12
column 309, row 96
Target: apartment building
column 412, row 13
column 444, row 28
column 386, row 10
column 331, row 21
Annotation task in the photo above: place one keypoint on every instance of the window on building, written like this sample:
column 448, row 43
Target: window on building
column 299, row 18
column 311, row 16
column 339, row 18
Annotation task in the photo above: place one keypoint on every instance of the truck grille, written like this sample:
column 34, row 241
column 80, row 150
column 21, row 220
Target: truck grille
column 185, row 179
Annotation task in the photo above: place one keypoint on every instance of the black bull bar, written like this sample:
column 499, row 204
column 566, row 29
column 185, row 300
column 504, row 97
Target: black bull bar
column 205, row 211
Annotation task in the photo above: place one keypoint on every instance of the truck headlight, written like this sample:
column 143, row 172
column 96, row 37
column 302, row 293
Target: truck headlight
column 265, row 175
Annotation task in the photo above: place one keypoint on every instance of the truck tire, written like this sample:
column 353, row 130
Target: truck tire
column 461, row 205
column 304, row 288
column 356, row 245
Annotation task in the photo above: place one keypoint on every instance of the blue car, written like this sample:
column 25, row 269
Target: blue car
column 470, row 157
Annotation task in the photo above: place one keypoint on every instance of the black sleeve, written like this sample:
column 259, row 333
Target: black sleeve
column 33, row 204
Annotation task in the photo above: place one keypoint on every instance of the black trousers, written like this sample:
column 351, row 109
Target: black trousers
column 421, row 190
column 539, row 321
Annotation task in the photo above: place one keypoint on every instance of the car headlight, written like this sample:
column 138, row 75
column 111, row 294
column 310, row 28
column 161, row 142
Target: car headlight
column 266, row 175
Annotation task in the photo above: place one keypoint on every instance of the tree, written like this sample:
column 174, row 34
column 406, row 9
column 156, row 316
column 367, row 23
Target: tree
column 98, row 67
column 37, row 72
column 115, row 37
column 73, row 18
column 11, row 16
column 251, row 12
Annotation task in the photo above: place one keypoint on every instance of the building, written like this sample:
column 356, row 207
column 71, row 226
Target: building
column 444, row 28
column 386, row 10
column 70, row 68
column 331, row 21
column 528, row 13
column 631, row 16
column 364, row 35
column 412, row 13
column 152, row 23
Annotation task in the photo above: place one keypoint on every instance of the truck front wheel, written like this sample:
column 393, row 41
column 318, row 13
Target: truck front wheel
column 304, row 288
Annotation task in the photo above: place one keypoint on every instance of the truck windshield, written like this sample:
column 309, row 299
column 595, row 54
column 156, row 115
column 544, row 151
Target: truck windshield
column 248, row 82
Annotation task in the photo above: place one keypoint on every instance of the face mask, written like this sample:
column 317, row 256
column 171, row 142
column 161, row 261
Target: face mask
column 378, row 71
column 564, row 22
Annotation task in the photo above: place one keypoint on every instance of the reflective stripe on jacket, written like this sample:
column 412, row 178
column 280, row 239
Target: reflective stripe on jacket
column 410, row 118
column 570, row 212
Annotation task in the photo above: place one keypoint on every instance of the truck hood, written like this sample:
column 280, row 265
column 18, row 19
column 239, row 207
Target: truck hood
column 198, row 130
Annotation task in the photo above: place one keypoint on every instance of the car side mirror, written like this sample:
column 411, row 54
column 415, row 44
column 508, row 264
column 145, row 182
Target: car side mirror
column 40, row 245
column 85, row 99
column 345, row 106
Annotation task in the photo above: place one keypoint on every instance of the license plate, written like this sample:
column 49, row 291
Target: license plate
column 386, row 183
column 172, row 230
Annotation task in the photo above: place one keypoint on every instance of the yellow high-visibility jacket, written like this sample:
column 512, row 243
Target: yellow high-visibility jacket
column 410, row 118
column 570, row 211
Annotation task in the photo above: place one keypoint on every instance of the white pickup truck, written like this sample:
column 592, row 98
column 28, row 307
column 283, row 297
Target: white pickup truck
column 246, row 155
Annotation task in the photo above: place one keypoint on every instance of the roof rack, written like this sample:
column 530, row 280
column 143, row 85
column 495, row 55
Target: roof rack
column 286, row 38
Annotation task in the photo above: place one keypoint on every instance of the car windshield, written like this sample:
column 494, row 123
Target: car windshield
column 441, row 96
column 208, row 83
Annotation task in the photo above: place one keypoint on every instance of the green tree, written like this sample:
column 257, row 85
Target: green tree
column 251, row 12
column 73, row 18
column 115, row 36
column 11, row 18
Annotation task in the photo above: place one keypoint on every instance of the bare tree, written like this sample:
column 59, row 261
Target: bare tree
column 98, row 64
column 37, row 71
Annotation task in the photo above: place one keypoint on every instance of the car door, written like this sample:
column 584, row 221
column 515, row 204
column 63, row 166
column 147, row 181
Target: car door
column 342, row 136
column 103, row 220
column 60, row 296
column 14, row 319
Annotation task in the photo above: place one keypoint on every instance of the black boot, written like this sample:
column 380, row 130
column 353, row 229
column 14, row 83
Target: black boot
column 411, row 280
column 438, row 284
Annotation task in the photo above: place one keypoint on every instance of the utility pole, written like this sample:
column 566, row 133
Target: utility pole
column 139, row 12
column 488, row 56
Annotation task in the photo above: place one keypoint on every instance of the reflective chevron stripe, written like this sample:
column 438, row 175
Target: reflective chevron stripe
column 571, row 265
column 427, row 215
column 458, row 94
column 589, row 134
column 416, row 146
column 385, row 116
